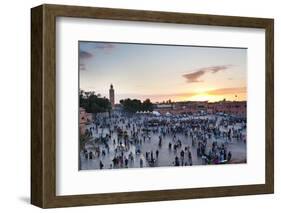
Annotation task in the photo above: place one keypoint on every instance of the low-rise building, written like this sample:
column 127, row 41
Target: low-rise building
column 84, row 119
column 236, row 108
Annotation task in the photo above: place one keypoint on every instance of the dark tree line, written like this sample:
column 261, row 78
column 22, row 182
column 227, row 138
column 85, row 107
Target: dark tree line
column 134, row 105
column 93, row 103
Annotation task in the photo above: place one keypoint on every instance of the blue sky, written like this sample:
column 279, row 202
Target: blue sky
column 163, row 72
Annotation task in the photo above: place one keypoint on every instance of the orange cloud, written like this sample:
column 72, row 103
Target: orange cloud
column 195, row 75
column 223, row 91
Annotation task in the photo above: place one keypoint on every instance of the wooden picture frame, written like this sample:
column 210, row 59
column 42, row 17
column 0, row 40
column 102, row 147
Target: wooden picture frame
column 43, row 105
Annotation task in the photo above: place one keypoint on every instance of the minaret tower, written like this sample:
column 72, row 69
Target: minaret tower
column 111, row 96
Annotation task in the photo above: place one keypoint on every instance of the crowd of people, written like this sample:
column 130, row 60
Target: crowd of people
column 130, row 141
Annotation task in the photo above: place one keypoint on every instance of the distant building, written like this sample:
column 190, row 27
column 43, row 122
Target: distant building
column 111, row 96
column 190, row 107
column 236, row 108
column 163, row 108
column 84, row 119
column 184, row 107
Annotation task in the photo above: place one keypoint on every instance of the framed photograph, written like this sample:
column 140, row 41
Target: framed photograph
column 136, row 106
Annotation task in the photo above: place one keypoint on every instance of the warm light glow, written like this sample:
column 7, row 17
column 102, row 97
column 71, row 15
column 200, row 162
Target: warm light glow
column 201, row 97
column 212, row 98
column 162, row 72
column 203, row 90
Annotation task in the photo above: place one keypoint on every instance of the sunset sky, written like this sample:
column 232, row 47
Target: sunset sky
column 163, row 72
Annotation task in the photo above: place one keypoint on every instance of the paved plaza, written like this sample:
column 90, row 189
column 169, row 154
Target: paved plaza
column 122, row 141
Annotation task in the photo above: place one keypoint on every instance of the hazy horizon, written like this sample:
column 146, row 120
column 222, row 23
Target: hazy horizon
column 163, row 72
